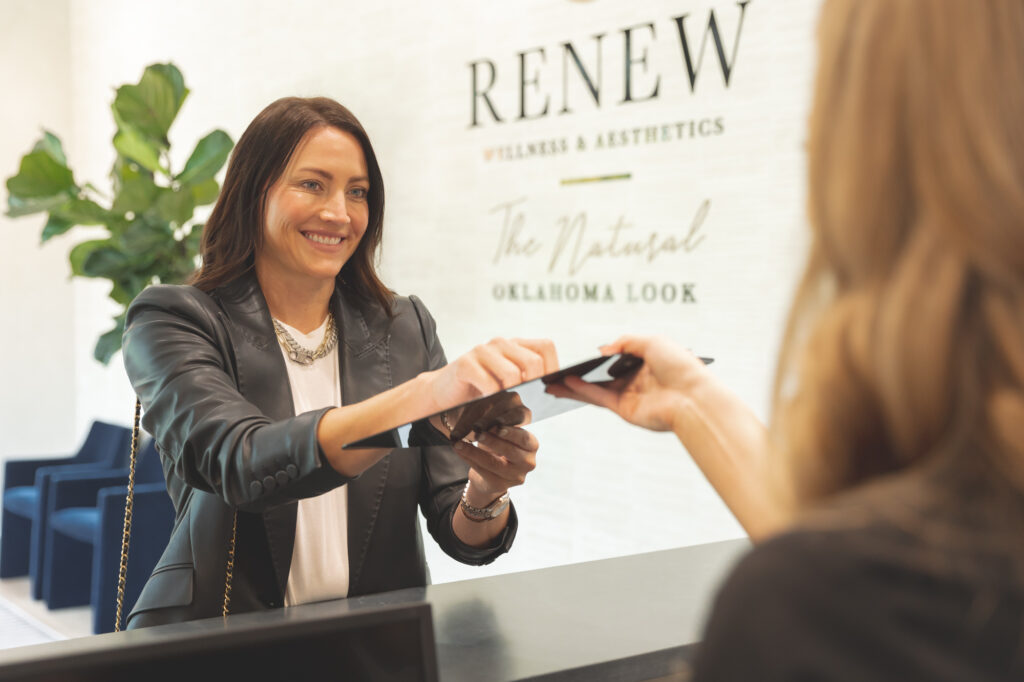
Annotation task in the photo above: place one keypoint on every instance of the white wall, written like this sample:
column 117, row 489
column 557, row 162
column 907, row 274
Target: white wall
column 601, row 488
column 38, row 404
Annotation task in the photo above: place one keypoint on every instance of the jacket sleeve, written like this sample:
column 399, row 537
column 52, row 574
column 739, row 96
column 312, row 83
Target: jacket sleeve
column 445, row 473
column 177, row 355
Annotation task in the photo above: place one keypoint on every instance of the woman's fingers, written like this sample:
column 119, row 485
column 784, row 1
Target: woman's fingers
column 467, row 420
column 503, row 457
column 577, row 389
column 509, row 441
column 629, row 343
column 514, row 416
column 469, row 372
column 503, row 409
column 545, row 349
column 499, row 357
column 529, row 362
column 491, row 367
column 498, row 473
column 511, row 362
column 533, row 357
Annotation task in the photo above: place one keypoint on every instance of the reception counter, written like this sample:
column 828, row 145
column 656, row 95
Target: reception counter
column 627, row 618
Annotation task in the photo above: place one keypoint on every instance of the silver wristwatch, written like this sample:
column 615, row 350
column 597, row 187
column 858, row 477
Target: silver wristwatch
column 480, row 514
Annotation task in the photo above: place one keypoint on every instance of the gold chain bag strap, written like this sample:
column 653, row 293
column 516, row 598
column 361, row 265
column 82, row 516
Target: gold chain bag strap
column 129, row 503
column 126, row 533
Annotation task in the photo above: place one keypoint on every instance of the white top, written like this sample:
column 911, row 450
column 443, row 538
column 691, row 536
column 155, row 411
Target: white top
column 319, row 568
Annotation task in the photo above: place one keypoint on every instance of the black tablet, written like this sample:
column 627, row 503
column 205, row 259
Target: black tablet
column 507, row 406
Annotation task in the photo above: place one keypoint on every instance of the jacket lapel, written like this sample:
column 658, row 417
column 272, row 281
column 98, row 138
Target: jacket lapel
column 263, row 380
column 365, row 371
column 262, row 377
column 364, row 363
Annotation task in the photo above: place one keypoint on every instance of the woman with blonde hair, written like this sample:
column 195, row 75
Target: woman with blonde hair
column 894, row 537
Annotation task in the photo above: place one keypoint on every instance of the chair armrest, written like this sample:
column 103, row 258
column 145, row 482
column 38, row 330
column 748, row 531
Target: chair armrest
column 18, row 472
column 81, row 489
column 46, row 473
column 112, row 499
column 90, row 475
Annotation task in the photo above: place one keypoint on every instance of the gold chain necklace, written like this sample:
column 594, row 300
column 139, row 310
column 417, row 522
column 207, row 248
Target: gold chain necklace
column 304, row 356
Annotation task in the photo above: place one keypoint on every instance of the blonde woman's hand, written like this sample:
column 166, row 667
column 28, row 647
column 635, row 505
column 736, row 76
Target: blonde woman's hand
column 653, row 396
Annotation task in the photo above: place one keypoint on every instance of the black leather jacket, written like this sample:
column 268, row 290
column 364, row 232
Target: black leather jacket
column 216, row 396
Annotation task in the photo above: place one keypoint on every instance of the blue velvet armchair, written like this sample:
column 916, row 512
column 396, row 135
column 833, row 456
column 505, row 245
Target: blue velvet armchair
column 84, row 537
column 26, row 493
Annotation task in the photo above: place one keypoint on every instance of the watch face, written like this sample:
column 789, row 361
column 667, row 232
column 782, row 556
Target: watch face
column 498, row 506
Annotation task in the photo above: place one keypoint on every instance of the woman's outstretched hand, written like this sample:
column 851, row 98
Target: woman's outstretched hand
column 490, row 367
column 654, row 395
column 674, row 391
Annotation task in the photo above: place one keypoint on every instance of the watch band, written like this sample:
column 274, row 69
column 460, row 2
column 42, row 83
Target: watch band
column 481, row 514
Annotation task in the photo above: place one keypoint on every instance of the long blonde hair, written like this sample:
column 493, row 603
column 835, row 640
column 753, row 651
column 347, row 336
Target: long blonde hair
column 906, row 338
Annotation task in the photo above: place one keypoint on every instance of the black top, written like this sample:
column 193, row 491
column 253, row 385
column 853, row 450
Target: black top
column 871, row 600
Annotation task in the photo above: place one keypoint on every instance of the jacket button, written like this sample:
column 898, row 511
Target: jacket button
column 255, row 488
column 293, row 471
column 269, row 483
column 282, row 477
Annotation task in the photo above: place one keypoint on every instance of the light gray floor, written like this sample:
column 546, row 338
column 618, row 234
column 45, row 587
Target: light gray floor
column 24, row 621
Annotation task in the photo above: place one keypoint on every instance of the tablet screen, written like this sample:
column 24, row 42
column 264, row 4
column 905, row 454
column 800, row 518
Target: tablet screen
column 504, row 407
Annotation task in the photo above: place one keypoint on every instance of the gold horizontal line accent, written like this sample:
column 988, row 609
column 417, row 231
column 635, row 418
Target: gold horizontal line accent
column 596, row 178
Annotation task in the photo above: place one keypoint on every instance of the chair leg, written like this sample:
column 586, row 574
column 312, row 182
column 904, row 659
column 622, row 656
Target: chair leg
column 37, row 544
column 15, row 535
column 67, row 576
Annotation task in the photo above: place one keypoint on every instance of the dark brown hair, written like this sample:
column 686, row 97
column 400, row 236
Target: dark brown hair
column 234, row 232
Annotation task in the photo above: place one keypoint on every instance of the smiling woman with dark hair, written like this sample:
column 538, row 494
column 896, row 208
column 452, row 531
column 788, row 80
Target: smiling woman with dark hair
column 232, row 236
column 286, row 347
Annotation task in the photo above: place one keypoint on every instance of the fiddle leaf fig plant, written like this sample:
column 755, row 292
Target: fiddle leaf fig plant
column 149, row 238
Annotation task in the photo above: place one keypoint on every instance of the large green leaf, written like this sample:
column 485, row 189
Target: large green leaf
column 40, row 175
column 56, row 226
column 110, row 342
column 133, row 145
column 174, row 77
column 151, row 106
column 81, row 252
column 126, row 288
column 82, row 212
column 17, row 206
column 144, row 242
column 205, row 192
column 50, row 144
column 210, row 154
column 175, row 206
column 136, row 190
column 107, row 261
